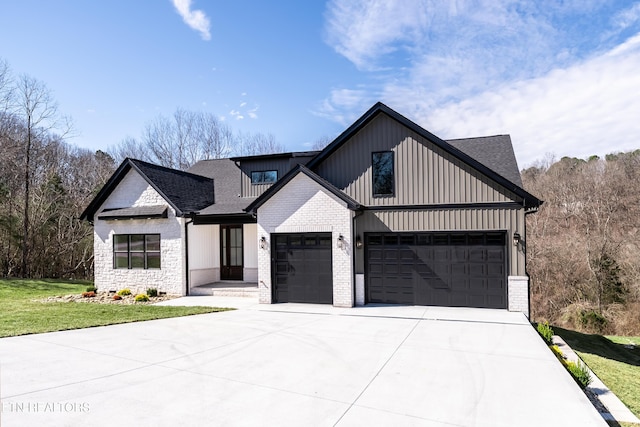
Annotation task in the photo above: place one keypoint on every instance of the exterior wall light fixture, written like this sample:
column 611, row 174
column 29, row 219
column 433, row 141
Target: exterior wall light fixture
column 263, row 242
column 340, row 241
column 358, row 242
column 516, row 238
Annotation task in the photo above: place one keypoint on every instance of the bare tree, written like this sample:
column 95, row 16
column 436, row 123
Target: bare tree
column 216, row 138
column 35, row 107
column 187, row 137
column 131, row 148
column 321, row 142
column 257, row 143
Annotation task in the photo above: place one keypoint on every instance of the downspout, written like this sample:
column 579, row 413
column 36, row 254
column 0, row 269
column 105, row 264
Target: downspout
column 186, row 249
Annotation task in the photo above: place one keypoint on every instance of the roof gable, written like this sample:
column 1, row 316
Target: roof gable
column 185, row 192
column 458, row 152
column 351, row 204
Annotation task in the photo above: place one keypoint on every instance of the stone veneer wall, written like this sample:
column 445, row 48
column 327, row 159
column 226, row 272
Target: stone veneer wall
column 133, row 190
column 303, row 206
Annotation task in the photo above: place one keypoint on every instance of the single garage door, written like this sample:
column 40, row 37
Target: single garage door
column 455, row 269
column 301, row 267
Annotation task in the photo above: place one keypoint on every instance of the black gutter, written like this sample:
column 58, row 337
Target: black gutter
column 186, row 249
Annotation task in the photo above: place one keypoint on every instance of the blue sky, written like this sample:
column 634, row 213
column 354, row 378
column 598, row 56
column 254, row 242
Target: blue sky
column 561, row 77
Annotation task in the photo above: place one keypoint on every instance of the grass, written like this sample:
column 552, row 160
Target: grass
column 21, row 315
column 617, row 366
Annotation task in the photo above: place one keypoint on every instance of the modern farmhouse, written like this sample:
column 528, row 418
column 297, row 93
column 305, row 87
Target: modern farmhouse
column 386, row 213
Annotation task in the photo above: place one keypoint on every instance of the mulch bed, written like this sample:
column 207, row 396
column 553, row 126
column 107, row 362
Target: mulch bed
column 106, row 298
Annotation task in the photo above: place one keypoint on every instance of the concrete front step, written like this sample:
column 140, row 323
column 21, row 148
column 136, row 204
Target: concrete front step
column 227, row 290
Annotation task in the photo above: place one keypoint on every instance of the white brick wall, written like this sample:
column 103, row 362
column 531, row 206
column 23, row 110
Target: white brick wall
column 519, row 294
column 133, row 190
column 304, row 206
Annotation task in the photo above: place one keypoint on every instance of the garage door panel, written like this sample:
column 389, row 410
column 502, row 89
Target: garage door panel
column 496, row 270
column 449, row 269
column 495, row 255
column 302, row 268
column 477, row 254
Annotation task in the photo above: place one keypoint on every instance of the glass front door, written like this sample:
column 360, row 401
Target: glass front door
column 231, row 252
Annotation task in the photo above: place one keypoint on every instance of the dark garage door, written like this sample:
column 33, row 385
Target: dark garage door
column 301, row 267
column 445, row 269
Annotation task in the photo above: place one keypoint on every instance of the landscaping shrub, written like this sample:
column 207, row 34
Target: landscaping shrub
column 557, row 352
column 92, row 289
column 580, row 373
column 592, row 321
column 88, row 294
column 124, row 292
column 141, row 298
column 545, row 332
column 152, row 292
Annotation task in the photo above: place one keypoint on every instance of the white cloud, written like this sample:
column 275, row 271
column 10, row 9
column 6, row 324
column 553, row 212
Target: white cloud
column 627, row 17
column 588, row 108
column 195, row 19
column 343, row 105
column 253, row 113
column 556, row 76
column 237, row 114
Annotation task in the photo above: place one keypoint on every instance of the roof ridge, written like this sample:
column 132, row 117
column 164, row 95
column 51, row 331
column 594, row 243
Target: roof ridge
column 479, row 137
column 138, row 162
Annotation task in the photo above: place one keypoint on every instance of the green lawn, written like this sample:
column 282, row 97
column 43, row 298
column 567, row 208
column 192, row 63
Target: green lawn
column 618, row 367
column 21, row 315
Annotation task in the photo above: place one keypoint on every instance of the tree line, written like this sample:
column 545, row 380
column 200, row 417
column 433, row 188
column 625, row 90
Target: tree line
column 46, row 182
column 582, row 249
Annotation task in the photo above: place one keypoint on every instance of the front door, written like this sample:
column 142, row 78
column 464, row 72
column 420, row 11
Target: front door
column 231, row 252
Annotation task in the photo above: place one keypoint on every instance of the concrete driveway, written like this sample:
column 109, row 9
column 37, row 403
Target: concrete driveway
column 294, row 364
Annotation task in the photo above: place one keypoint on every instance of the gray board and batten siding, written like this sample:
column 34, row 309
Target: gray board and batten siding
column 279, row 163
column 434, row 190
column 425, row 174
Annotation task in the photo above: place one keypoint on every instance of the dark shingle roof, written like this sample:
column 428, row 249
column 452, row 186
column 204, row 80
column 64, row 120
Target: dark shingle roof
column 495, row 152
column 226, row 175
column 185, row 192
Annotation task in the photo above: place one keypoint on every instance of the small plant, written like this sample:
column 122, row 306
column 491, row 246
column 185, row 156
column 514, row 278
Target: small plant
column 592, row 321
column 88, row 294
column 556, row 350
column 117, row 297
column 545, row 332
column 92, row 289
column 124, row 292
column 580, row 373
column 152, row 292
column 141, row 298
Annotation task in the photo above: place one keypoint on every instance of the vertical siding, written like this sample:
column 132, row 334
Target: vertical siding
column 424, row 173
column 509, row 220
column 282, row 165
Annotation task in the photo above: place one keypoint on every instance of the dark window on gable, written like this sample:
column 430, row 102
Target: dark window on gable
column 383, row 173
column 136, row 251
column 264, row 177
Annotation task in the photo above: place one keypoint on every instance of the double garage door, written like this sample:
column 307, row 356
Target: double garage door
column 456, row 269
column 301, row 268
